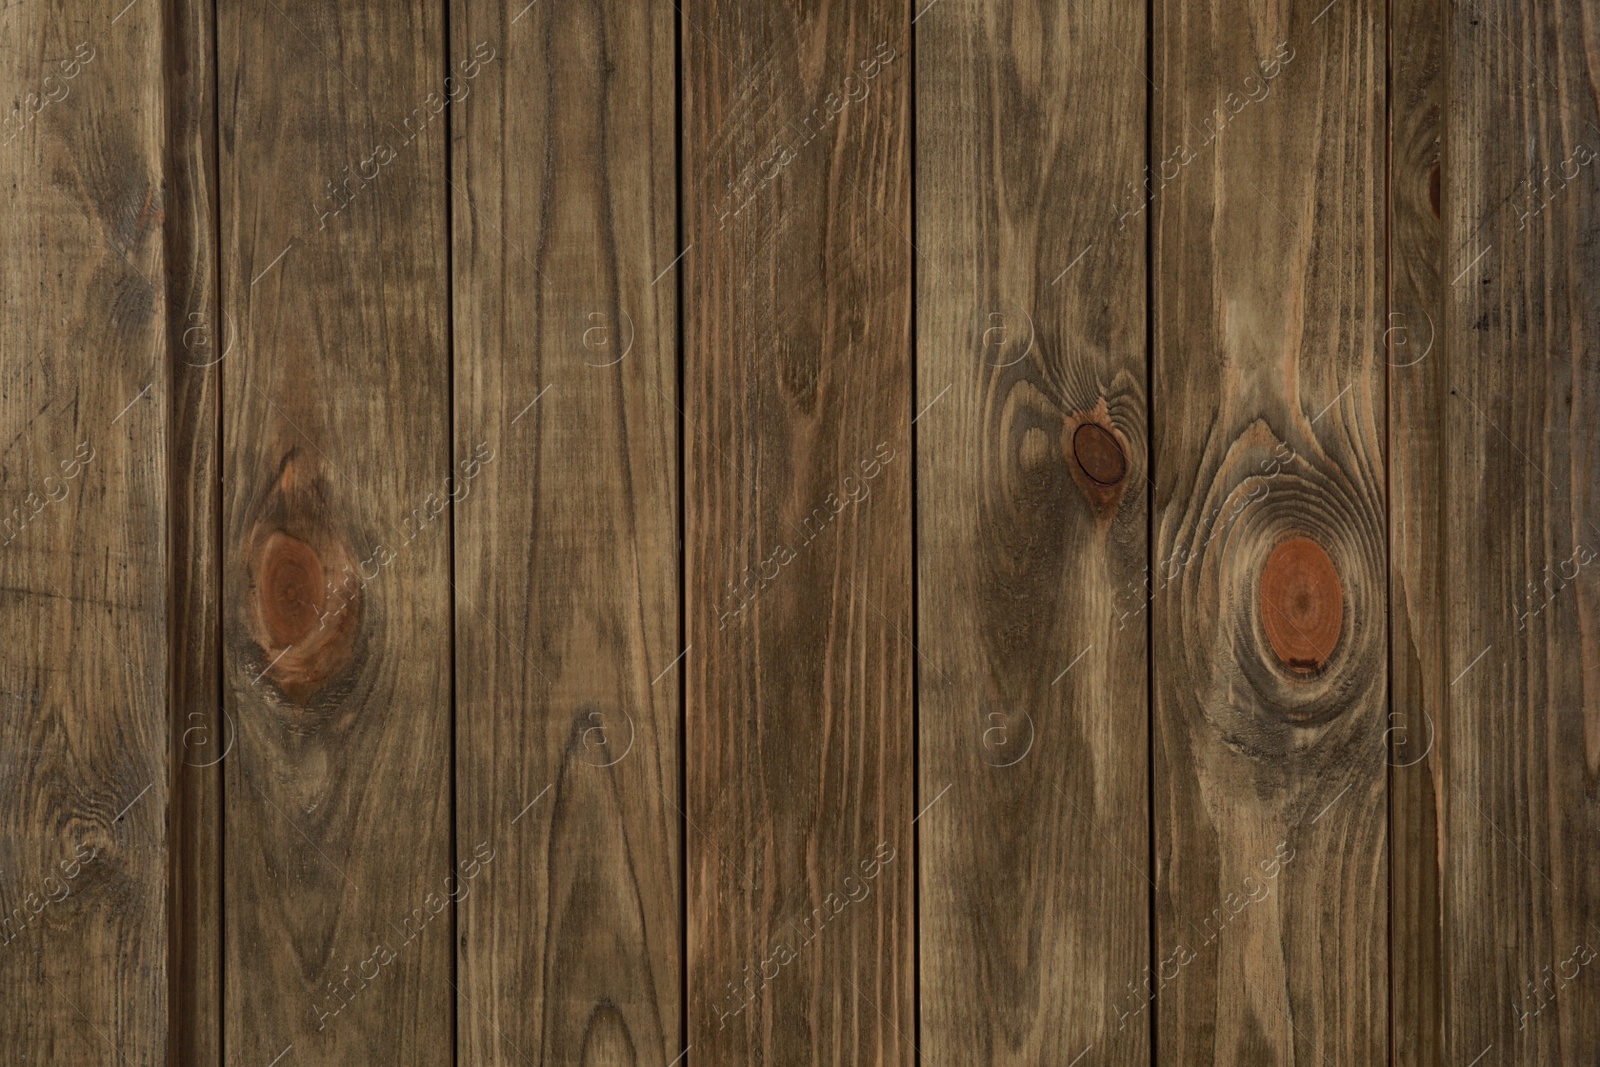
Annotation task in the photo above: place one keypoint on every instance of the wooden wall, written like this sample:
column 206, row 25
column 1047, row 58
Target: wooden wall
column 729, row 532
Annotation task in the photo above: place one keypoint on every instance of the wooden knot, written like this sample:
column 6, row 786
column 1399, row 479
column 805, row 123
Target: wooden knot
column 1099, row 455
column 292, row 588
column 1302, row 604
column 303, row 607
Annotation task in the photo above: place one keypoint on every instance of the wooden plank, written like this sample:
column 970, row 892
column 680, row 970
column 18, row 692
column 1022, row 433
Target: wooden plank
column 1032, row 539
column 568, row 598
column 1522, row 747
column 83, row 401
column 1414, row 348
column 337, row 595
column 797, row 404
column 1269, row 640
column 197, row 343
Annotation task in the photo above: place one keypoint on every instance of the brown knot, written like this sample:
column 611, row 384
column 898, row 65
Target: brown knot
column 1098, row 453
column 1302, row 604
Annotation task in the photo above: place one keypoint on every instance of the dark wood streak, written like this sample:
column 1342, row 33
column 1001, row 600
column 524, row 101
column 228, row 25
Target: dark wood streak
column 196, row 344
column 1417, row 352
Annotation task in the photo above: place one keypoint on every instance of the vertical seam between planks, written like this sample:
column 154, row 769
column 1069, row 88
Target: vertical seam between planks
column 1150, row 511
column 1441, row 793
column 1388, row 509
column 682, row 583
column 450, row 450
column 174, row 858
column 221, row 458
column 916, row 667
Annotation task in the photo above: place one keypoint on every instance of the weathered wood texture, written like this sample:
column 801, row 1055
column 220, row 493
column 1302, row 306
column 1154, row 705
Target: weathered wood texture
column 567, row 610
column 337, row 614
column 1521, row 749
column 1413, row 345
column 1205, row 439
column 197, row 342
column 1269, row 639
column 797, row 408
column 1033, row 510
column 83, row 579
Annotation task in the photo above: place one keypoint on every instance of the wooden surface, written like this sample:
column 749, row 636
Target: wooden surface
column 1415, row 348
column 566, row 603
column 336, row 589
column 797, row 594
column 1033, row 499
column 1522, row 745
column 1269, row 644
column 197, row 343
column 84, row 389
column 728, row 532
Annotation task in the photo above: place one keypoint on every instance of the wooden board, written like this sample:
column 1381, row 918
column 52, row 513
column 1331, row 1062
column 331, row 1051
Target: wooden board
column 1522, row 746
column 797, row 460
column 567, row 609
column 1414, row 347
column 336, row 596
column 1269, row 642
column 1032, row 511
column 197, row 343
column 993, row 532
column 83, row 460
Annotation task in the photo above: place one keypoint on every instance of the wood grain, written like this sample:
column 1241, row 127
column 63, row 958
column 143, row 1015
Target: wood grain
column 1033, row 507
column 797, row 404
column 337, row 622
column 1269, row 428
column 973, row 532
column 83, row 578
column 1415, row 349
column 197, row 343
column 1522, row 747
column 567, row 607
